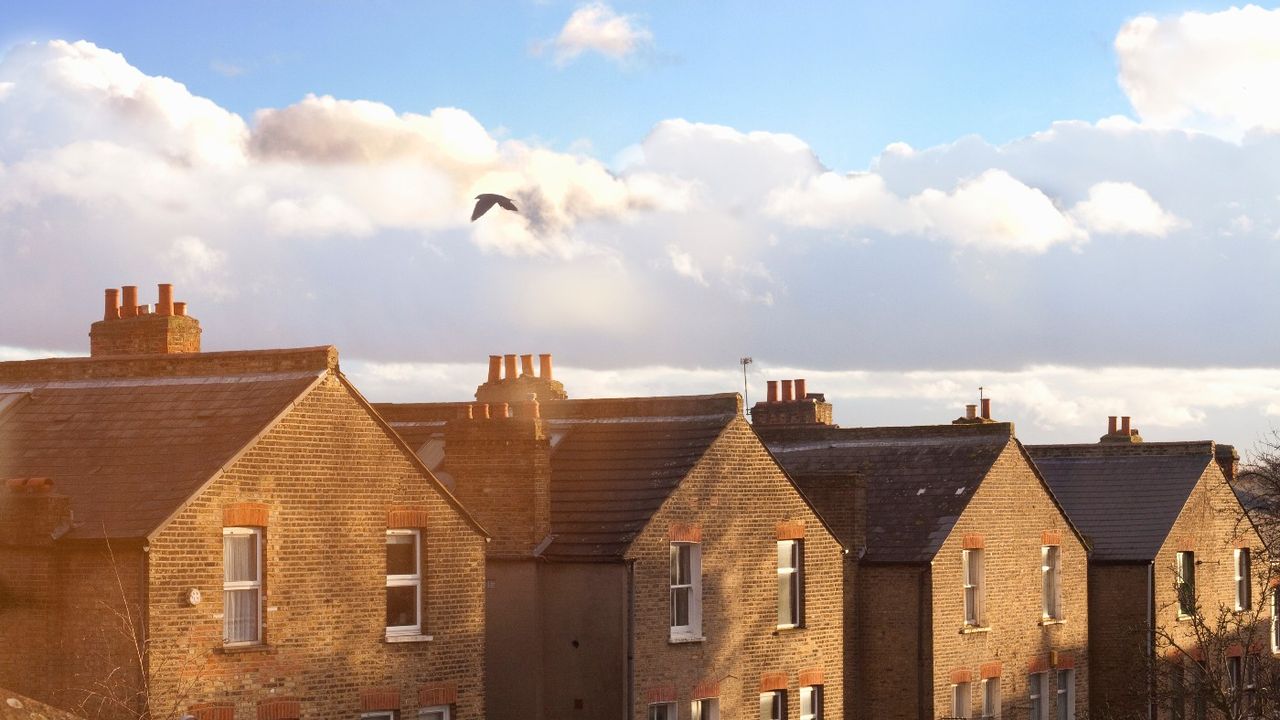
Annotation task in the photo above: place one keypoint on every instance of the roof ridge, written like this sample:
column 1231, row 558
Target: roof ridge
column 230, row 362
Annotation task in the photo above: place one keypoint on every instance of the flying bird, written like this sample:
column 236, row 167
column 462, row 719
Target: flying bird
column 488, row 200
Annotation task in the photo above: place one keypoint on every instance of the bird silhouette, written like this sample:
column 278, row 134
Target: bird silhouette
column 488, row 200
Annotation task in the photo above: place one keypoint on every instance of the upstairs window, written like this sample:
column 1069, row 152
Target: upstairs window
column 1185, row 582
column 436, row 712
column 973, row 577
column 1243, row 575
column 662, row 711
column 811, row 702
column 404, row 582
column 790, row 583
column 773, row 705
column 1035, row 695
column 1051, row 581
column 706, row 709
column 1066, row 694
column 991, row 698
column 960, row 701
column 686, row 591
column 241, row 585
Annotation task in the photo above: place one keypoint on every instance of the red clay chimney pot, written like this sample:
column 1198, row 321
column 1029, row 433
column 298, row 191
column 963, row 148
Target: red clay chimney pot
column 1124, row 425
column 164, row 301
column 495, row 368
column 510, row 361
column 986, row 408
column 544, row 362
column 112, row 309
column 773, row 390
column 501, row 410
column 787, row 393
column 526, row 365
column 129, row 301
column 1111, row 424
column 180, row 309
column 800, row 389
column 464, row 412
column 971, row 412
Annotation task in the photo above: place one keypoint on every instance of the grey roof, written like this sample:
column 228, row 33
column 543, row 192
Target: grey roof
column 1123, row 497
column 918, row 479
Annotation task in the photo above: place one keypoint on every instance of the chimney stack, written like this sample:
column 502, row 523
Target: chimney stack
column 513, row 384
column 795, row 407
column 544, row 369
column 495, row 368
column 1122, row 434
column 130, row 328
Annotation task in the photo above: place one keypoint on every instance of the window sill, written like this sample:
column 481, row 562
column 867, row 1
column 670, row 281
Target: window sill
column 408, row 638
column 974, row 629
column 247, row 648
column 788, row 628
column 685, row 639
column 1053, row 621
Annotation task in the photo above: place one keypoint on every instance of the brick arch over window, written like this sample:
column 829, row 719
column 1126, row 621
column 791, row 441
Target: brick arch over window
column 245, row 514
column 407, row 517
column 279, row 709
column 438, row 693
column 379, row 698
column 213, row 711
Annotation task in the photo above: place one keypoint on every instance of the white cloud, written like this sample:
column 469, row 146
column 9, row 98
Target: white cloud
column 683, row 264
column 1122, row 208
column 597, row 28
column 1216, row 72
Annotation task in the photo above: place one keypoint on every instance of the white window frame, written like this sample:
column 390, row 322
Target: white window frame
column 380, row 715
column 773, row 705
column 1066, row 694
column 991, row 697
column 1243, row 574
column 791, row 582
column 1037, row 702
column 1051, row 581
column 413, row 580
column 1184, row 578
column 961, row 700
column 1275, row 620
column 693, row 630
column 974, row 575
column 707, row 708
column 241, row 585
column 811, row 702
column 663, row 711
column 445, row 712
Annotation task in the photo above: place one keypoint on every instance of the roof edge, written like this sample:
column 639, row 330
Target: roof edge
column 231, row 362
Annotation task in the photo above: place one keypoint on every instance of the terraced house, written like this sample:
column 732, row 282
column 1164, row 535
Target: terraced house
column 1169, row 542
column 226, row 535
column 971, row 592
column 650, row 559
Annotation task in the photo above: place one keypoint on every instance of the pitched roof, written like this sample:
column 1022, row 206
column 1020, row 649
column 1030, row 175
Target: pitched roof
column 129, row 440
column 1123, row 497
column 918, row 479
column 613, row 460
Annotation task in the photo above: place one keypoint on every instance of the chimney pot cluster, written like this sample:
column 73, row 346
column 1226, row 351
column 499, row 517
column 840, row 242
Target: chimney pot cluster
column 504, row 367
column 792, row 390
column 123, row 303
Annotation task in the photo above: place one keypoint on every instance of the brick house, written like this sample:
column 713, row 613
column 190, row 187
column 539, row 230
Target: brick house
column 970, row 597
column 1169, row 537
column 230, row 535
column 650, row 559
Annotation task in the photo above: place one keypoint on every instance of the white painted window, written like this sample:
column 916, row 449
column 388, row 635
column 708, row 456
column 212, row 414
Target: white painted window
column 790, row 583
column 404, row 582
column 973, row 577
column 1186, row 583
column 811, row 702
column 662, row 711
column 436, row 712
column 1243, row 574
column 241, row 585
column 1066, row 695
column 1051, row 575
column 686, row 590
column 991, row 698
column 1035, row 694
column 960, row 700
column 379, row 715
column 1275, row 620
column 773, row 705
column 706, row 709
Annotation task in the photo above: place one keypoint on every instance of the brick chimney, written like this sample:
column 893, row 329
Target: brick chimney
column 1123, row 434
column 127, row 328
column 972, row 416
column 500, row 459
column 1228, row 459
column 507, row 385
column 796, row 406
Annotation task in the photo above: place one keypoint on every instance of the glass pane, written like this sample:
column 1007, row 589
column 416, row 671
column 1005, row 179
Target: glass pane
column 240, row 616
column 401, row 555
column 679, row 607
column 432, row 715
column 680, row 564
column 786, row 600
column 402, row 606
column 970, row 606
column 240, row 558
column 786, row 554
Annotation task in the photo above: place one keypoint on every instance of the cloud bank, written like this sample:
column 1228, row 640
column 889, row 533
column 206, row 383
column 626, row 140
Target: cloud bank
column 595, row 27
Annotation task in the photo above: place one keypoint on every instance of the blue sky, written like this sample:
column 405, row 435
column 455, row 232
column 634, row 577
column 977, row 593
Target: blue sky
column 1074, row 205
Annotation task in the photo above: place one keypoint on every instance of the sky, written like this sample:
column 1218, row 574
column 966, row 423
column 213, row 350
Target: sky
column 1075, row 206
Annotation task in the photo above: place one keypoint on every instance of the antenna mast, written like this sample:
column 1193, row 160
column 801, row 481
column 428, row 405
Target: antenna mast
column 746, row 397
